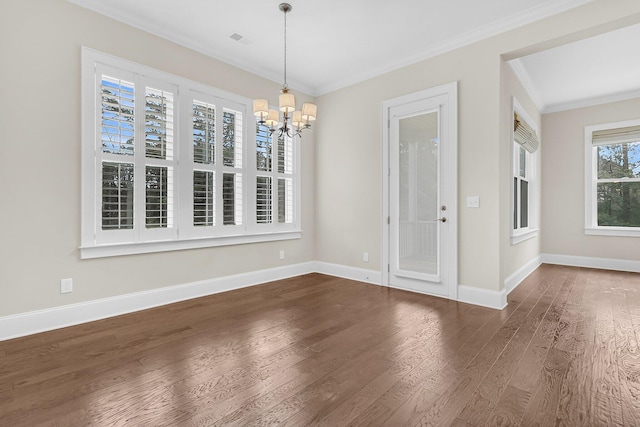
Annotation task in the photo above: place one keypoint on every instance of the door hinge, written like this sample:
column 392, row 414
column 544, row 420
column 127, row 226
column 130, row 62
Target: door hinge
column 389, row 220
column 388, row 268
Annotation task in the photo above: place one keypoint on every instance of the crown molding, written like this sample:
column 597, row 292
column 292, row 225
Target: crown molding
column 590, row 102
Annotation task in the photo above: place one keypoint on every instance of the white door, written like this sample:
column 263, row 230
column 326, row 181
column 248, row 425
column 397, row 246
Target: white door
column 421, row 221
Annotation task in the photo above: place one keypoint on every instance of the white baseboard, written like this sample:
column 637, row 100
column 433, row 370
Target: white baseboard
column 59, row 317
column 353, row 273
column 467, row 294
column 68, row 315
column 497, row 299
column 511, row 282
column 591, row 262
column 482, row 297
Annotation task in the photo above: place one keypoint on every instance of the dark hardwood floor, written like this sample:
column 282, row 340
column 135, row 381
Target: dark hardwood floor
column 319, row 350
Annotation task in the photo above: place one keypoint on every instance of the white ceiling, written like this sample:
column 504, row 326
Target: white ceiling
column 332, row 44
column 599, row 69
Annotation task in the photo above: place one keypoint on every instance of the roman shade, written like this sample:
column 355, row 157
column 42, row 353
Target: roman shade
column 524, row 134
column 624, row 135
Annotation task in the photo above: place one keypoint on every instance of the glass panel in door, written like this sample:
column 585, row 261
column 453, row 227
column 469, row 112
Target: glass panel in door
column 419, row 201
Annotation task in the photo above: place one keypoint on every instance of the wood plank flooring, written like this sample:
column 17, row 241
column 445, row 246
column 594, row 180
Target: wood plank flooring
column 319, row 350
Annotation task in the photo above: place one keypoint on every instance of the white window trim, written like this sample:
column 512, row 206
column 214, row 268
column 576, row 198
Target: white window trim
column 591, row 226
column 526, row 233
column 102, row 251
column 181, row 238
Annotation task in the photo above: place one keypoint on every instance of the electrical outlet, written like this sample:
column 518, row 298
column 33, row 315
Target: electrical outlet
column 282, row 254
column 365, row 256
column 66, row 286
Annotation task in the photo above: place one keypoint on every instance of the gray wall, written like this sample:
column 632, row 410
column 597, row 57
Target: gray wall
column 40, row 161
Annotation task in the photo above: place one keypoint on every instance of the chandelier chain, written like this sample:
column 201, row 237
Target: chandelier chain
column 285, row 49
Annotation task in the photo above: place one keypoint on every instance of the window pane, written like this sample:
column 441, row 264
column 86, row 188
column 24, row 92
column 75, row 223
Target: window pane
column 158, row 197
column 281, row 155
column 523, row 162
column 285, row 155
column 159, row 124
column 203, row 185
column 229, row 138
column 117, row 110
column 524, row 204
column 619, row 204
column 263, row 200
column 282, row 201
column 228, row 199
column 515, row 203
column 204, row 125
column 285, row 200
column 263, row 148
column 117, row 196
column 619, row 161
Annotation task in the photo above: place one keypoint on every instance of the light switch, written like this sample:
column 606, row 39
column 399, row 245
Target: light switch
column 473, row 201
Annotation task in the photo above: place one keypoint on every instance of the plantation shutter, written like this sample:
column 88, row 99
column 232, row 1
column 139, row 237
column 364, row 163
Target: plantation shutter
column 117, row 108
column 203, row 197
column 159, row 156
column 159, row 124
column 204, row 132
column 263, row 200
column 232, row 196
column 117, row 116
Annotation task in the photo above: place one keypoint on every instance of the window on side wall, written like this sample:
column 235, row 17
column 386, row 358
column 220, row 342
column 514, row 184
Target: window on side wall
column 612, row 179
column 524, row 181
column 169, row 164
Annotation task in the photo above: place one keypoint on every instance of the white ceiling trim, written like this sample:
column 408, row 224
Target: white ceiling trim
column 589, row 102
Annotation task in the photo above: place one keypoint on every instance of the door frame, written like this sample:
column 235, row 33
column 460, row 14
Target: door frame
column 449, row 180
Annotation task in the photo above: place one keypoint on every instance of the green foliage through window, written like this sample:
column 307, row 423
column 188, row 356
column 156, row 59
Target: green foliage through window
column 618, row 201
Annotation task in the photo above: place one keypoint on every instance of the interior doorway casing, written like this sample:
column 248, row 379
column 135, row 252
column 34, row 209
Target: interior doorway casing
column 447, row 94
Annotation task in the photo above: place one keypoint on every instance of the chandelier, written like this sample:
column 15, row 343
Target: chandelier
column 293, row 122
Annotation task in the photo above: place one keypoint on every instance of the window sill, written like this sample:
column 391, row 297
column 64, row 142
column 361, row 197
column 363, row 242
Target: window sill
column 613, row 231
column 524, row 235
column 119, row 249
